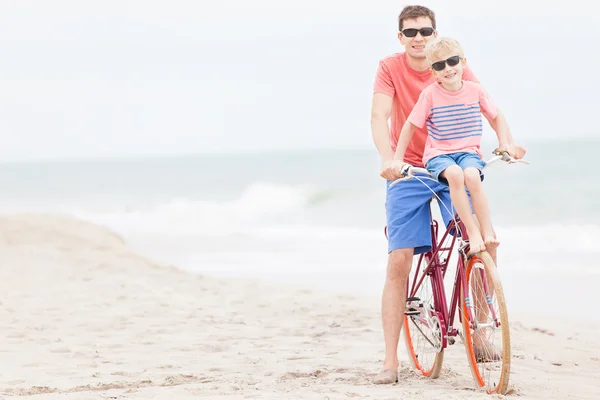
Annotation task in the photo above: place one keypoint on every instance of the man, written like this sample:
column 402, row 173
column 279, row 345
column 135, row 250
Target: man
column 400, row 79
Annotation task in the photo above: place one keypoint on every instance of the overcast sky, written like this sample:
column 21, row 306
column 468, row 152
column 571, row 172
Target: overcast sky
column 113, row 78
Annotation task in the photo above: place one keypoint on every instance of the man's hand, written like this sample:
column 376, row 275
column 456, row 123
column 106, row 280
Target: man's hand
column 516, row 151
column 390, row 169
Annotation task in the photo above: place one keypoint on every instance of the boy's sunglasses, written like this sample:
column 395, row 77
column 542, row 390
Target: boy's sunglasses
column 441, row 65
column 412, row 32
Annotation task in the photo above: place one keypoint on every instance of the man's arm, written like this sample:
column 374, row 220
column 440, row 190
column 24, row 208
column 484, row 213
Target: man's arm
column 381, row 109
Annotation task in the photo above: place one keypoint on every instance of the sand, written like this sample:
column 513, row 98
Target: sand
column 85, row 317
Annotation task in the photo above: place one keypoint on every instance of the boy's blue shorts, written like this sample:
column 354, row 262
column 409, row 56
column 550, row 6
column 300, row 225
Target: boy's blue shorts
column 438, row 164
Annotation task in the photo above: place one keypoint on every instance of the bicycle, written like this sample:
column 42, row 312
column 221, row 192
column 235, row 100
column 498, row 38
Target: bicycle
column 477, row 295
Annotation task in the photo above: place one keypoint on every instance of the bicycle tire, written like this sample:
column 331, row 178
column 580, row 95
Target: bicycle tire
column 482, row 366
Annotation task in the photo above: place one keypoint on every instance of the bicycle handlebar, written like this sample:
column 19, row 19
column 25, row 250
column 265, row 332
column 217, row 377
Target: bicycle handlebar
column 408, row 171
column 501, row 154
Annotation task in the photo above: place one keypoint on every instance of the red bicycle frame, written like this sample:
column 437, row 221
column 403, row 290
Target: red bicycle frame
column 436, row 265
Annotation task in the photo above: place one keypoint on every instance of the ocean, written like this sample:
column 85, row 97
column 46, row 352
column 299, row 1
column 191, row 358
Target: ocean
column 315, row 218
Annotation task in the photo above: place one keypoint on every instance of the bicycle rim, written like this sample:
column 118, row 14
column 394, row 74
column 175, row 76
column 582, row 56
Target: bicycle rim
column 485, row 321
column 423, row 332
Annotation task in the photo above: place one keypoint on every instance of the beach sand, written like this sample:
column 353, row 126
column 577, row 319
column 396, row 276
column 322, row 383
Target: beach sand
column 85, row 317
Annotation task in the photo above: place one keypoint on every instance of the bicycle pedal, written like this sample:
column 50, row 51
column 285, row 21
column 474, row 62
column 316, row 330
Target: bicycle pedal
column 412, row 299
column 412, row 312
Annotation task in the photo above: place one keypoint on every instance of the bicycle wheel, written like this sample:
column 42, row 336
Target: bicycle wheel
column 485, row 325
column 424, row 330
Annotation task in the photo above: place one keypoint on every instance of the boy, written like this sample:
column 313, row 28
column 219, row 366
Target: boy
column 451, row 110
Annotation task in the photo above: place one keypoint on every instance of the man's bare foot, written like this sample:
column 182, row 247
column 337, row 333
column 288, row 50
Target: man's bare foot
column 487, row 353
column 491, row 242
column 476, row 244
column 484, row 350
column 386, row 377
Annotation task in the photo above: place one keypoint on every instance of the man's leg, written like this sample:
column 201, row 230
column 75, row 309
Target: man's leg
column 408, row 217
column 393, row 303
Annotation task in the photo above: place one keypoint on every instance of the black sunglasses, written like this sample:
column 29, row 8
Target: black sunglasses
column 412, row 32
column 440, row 65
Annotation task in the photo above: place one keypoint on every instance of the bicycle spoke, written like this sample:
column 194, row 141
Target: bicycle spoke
column 422, row 333
column 424, row 327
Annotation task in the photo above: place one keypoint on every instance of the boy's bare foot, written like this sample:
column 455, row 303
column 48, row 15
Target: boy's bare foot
column 476, row 244
column 491, row 242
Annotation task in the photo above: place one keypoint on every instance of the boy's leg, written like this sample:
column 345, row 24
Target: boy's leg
column 473, row 167
column 456, row 181
column 408, row 218
column 480, row 205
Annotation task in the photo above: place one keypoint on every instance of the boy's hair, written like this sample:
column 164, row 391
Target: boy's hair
column 412, row 12
column 441, row 44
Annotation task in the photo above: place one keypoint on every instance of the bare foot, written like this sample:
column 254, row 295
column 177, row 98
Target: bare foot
column 386, row 377
column 487, row 353
column 491, row 242
column 476, row 244
column 484, row 350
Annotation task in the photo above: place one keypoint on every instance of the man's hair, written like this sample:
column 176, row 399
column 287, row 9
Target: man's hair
column 441, row 44
column 412, row 12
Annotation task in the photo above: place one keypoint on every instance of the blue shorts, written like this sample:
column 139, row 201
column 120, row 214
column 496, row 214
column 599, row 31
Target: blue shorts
column 408, row 213
column 438, row 164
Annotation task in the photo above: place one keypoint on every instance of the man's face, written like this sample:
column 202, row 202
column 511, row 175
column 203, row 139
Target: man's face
column 415, row 46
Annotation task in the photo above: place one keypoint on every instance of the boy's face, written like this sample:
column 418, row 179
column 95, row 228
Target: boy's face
column 415, row 46
column 450, row 75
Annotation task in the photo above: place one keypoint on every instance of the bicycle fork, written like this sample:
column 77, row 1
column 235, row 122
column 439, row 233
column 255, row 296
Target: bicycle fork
column 476, row 325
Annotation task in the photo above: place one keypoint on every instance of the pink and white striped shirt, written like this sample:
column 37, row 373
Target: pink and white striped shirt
column 453, row 119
